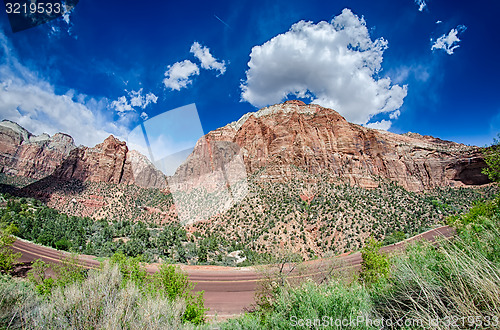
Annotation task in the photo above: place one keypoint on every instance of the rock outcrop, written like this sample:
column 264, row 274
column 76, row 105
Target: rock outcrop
column 37, row 157
column 110, row 162
column 282, row 140
column 24, row 154
column 276, row 143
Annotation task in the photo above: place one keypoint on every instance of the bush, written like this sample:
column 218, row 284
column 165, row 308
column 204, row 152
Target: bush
column 17, row 299
column 130, row 267
column 169, row 281
column 335, row 300
column 66, row 273
column 375, row 265
column 480, row 228
column 101, row 302
column 492, row 159
column 7, row 256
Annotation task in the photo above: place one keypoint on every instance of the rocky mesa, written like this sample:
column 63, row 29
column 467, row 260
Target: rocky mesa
column 27, row 155
column 281, row 141
column 37, row 157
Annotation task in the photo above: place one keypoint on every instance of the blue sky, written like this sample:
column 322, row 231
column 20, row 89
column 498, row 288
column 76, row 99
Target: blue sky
column 429, row 67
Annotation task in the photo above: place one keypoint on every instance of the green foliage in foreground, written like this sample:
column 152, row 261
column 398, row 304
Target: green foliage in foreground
column 99, row 302
column 7, row 256
column 429, row 286
column 299, row 307
column 492, row 159
column 375, row 265
column 169, row 282
column 119, row 295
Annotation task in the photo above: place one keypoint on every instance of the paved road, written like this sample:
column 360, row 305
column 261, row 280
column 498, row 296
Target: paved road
column 230, row 291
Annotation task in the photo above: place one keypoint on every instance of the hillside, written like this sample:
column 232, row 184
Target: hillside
column 313, row 183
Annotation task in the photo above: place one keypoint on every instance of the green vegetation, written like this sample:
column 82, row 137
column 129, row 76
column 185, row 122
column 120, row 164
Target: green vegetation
column 119, row 295
column 322, row 219
column 492, row 159
column 375, row 265
column 7, row 256
column 338, row 219
column 456, row 281
column 67, row 273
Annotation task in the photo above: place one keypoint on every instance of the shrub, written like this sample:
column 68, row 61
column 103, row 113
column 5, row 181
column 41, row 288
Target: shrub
column 492, row 159
column 101, row 302
column 375, row 265
column 17, row 299
column 335, row 300
column 130, row 267
column 169, row 281
column 7, row 256
column 65, row 273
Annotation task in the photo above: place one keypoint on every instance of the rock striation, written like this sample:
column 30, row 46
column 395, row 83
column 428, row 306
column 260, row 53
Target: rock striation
column 38, row 157
column 276, row 143
column 281, row 141
column 24, row 154
column 110, row 162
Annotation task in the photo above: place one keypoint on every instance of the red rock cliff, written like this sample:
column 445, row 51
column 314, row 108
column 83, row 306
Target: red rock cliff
column 285, row 138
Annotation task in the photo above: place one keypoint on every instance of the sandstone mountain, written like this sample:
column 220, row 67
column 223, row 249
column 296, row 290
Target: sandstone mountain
column 24, row 154
column 110, row 162
column 282, row 141
column 306, row 166
column 36, row 157
column 277, row 142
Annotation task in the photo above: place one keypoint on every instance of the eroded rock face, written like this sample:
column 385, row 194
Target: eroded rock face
column 110, row 162
column 37, row 157
column 280, row 141
column 143, row 172
column 24, row 154
column 276, row 143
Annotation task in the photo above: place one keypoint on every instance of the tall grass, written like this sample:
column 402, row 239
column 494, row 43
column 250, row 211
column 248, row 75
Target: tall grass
column 98, row 302
column 308, row 304
column 440, row 286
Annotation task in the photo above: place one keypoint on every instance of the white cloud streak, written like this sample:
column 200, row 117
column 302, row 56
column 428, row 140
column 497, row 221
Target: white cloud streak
column 449, row 42
column 141, row 101
column 32, row 102
column 335, row 64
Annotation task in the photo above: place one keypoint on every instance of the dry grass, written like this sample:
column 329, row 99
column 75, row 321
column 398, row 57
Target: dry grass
column 453, row 283
column 99, row 302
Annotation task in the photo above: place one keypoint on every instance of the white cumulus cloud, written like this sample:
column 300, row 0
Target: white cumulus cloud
column 134, row 99
column 336, row 64
column 38, row 108
column 449, row 42
column 208, row 62
column 178, row 74
column 121, row 105
column 30, row 100
column 142, row 101
column 383, row 125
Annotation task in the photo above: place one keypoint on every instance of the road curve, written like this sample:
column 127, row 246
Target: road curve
column 228, row 290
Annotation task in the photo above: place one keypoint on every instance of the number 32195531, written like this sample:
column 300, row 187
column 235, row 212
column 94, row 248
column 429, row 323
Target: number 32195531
column 33, row 8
